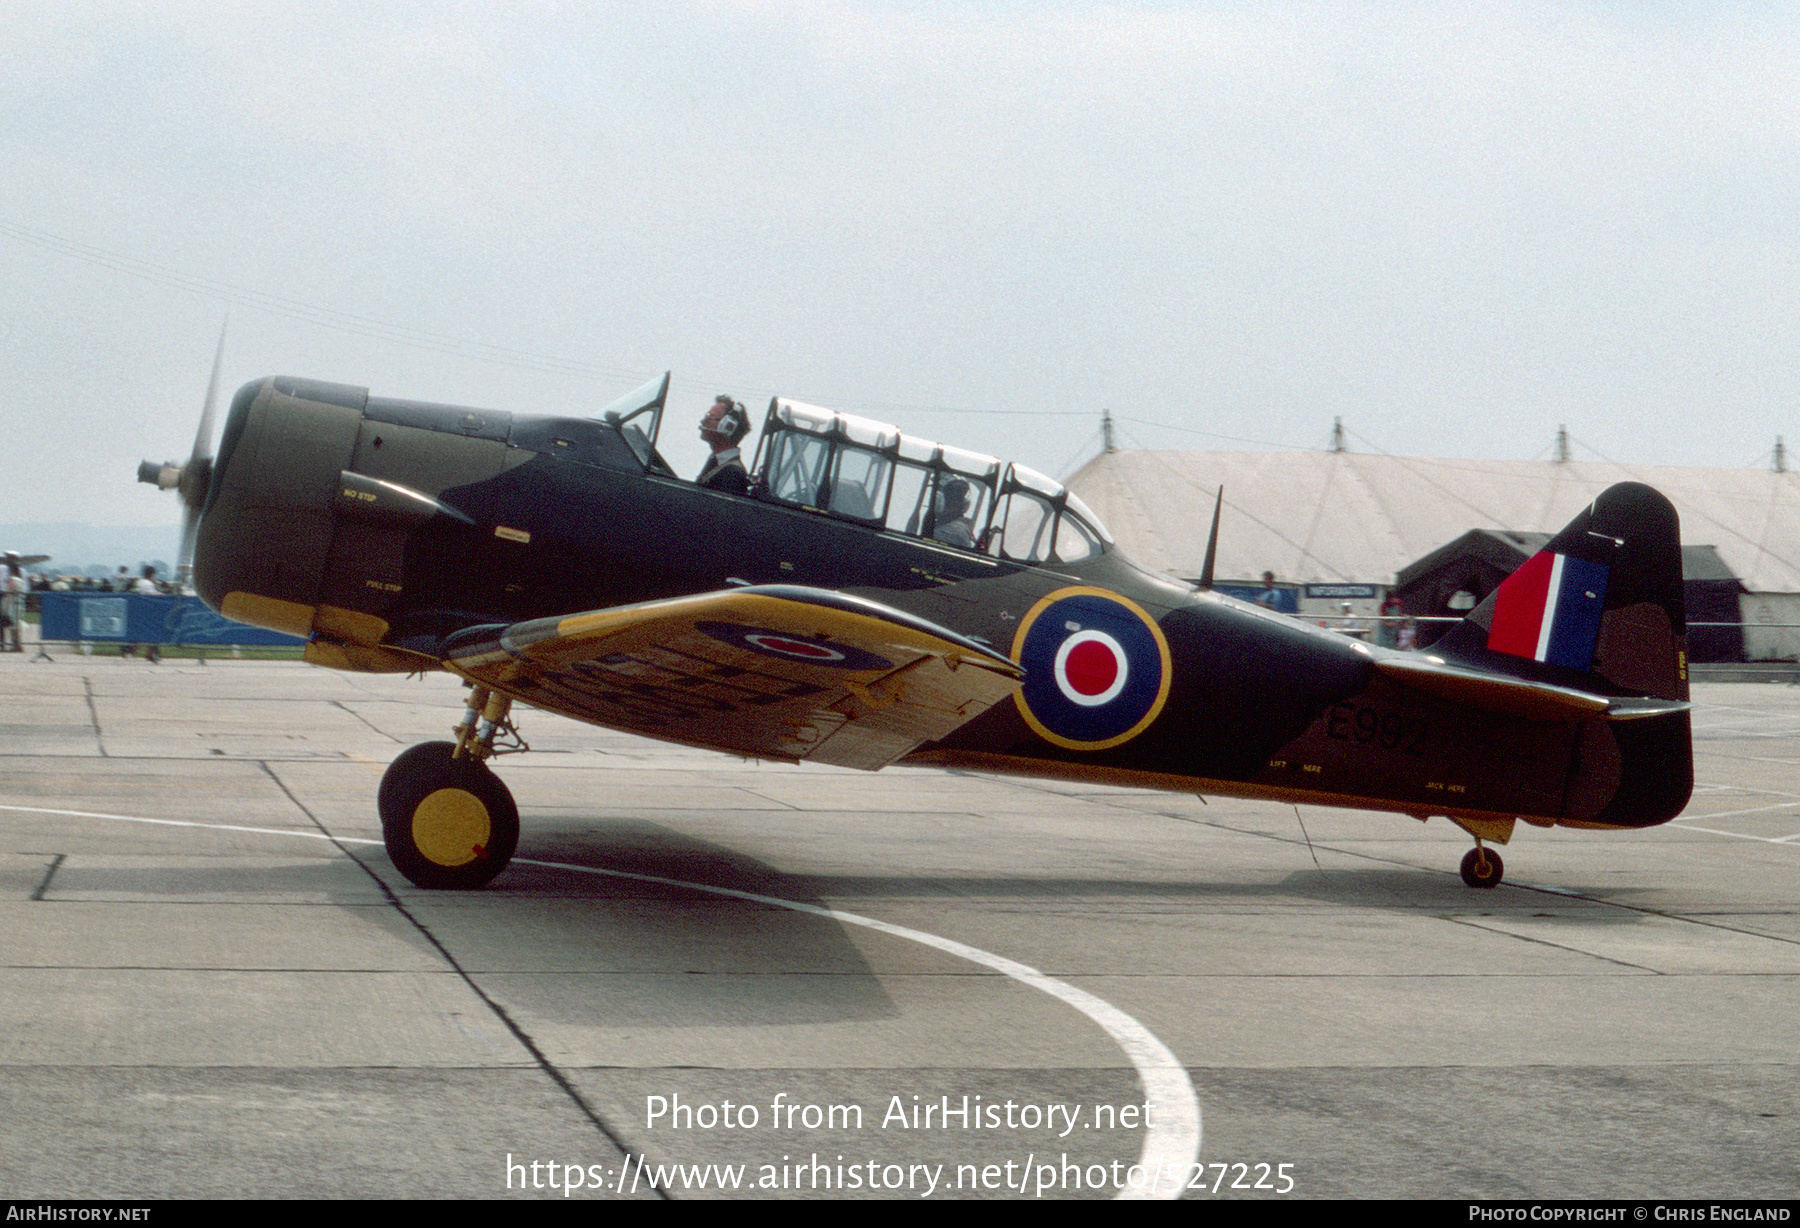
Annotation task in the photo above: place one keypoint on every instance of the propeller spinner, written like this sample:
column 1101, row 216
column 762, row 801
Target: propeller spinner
column 192, row 477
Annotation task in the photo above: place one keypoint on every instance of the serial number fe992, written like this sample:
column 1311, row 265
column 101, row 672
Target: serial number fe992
column 1369, row 726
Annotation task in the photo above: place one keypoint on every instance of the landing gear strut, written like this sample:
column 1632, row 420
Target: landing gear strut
column 1482, row 867
column 447, row 820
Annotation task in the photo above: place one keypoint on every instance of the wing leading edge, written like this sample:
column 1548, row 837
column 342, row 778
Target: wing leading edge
column 776, row 672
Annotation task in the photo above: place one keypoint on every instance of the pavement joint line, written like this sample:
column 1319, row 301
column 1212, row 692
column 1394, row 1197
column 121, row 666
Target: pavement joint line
column 1475, row 923
column 524, row 1038
column 627, row 1153
column 340, row 704
column 776, row 800
column 1172, row 1141
column 49, row 873
column 87, row 687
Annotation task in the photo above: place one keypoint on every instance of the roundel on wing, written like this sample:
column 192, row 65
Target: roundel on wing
column 1096, row 669
column 810, row 649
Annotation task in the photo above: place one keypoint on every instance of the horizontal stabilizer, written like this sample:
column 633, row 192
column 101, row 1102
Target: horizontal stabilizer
column 1536, row 701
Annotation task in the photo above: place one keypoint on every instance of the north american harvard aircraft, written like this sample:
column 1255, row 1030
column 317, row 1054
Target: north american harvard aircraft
column 874, row 598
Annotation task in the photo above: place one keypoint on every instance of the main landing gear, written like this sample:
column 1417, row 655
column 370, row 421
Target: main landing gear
column 1482, row 867
column 447, row 820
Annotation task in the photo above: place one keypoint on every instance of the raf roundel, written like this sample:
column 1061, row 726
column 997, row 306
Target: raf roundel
column 810, row 649
column 1096, row 669
column 788, row 646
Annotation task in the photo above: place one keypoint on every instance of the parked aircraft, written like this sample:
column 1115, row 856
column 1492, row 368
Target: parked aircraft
column 874, row 598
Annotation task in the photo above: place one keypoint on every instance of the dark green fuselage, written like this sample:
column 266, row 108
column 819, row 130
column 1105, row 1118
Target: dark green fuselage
column 390, row 525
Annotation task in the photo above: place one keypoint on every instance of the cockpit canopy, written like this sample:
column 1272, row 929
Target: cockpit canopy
column 868, row 472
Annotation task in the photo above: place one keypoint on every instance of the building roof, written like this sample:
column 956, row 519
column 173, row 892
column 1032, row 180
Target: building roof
column 1501, row 548
column 1505, row 550
column 1355, row 516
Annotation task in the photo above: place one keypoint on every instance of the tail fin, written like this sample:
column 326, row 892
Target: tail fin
column 1599, row 608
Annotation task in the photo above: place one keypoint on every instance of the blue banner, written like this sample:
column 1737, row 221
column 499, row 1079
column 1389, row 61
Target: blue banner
column 139, row 618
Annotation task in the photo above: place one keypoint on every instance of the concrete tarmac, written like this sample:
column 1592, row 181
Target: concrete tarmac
column 212, row 983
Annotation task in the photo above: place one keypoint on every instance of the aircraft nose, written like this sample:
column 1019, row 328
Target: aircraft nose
column 284, row 445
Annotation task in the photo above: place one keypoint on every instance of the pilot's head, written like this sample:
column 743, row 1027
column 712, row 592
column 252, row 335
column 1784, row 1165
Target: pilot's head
column 725, row 423
column 955, row 496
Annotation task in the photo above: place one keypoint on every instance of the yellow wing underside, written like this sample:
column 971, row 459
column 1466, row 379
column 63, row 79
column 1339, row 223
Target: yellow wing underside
column 824, row 677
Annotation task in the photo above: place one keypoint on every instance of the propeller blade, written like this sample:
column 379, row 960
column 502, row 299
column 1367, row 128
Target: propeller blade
column 196, row 475
column 203, row 437
column 191, row 480
column 184, row 557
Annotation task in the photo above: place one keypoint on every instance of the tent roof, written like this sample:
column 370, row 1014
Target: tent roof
column 1353, row 516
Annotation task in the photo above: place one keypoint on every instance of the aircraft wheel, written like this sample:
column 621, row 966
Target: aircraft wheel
column 1482, row 867
column 449, row 824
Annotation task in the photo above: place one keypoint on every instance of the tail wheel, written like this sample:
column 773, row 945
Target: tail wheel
column 1482, row 867
column 448, row 823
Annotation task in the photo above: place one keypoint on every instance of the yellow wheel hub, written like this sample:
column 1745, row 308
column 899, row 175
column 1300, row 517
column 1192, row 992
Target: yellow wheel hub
column 451, row 827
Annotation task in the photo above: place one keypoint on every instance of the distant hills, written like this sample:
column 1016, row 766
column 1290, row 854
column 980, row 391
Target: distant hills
column 76, row 547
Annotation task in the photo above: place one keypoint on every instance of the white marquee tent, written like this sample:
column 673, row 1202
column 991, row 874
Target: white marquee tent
column 1355, row 517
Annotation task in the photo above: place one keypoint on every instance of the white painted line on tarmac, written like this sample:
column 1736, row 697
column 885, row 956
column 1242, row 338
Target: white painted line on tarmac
column 1683, row 823
column 133, row 818
column 1737, row 835
column 1731, row 814
column 1171, row 1139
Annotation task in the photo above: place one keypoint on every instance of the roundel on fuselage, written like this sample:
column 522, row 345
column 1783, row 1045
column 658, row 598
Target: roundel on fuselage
column 1096, row 669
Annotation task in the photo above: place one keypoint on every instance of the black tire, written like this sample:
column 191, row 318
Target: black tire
column 449, row 824
column 1482, row 868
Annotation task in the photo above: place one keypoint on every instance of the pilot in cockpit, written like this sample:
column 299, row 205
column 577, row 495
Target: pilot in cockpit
column 723, row 428
column 952, row 526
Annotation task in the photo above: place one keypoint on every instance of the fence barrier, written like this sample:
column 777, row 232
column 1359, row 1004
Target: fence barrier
column 146, row 620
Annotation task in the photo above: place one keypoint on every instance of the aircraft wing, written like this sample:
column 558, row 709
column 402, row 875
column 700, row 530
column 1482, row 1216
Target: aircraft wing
column 777, row 672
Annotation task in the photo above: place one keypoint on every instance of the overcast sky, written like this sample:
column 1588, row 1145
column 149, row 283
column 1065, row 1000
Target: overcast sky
column 1453, row 225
